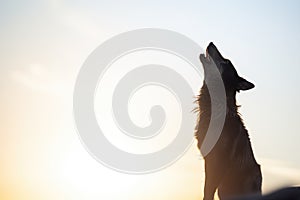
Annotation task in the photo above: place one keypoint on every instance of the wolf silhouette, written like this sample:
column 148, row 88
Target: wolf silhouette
column 230, row 166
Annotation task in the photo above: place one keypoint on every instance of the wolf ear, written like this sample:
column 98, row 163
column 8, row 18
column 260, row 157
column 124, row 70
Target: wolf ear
column 243, row 84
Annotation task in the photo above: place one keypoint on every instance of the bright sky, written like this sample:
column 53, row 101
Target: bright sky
column 43, row 45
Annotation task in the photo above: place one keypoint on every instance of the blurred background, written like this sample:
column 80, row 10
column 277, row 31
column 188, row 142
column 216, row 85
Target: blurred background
column 43, row 45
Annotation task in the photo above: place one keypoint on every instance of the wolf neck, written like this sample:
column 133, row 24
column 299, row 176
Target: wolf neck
column 204, row 103
column 232, row 108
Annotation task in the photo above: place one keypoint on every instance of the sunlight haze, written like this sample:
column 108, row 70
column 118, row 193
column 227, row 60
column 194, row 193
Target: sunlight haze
column 44, row 44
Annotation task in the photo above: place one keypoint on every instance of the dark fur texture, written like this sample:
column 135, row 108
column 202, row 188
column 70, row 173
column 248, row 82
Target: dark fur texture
column 230, row 167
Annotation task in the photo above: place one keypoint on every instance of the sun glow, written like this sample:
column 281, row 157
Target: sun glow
column 43, row 45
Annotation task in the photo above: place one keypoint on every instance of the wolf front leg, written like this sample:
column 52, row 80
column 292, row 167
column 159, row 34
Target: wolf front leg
column 213, row 176
column 209, row 188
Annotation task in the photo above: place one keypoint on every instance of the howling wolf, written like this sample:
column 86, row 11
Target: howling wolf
column 230, row 166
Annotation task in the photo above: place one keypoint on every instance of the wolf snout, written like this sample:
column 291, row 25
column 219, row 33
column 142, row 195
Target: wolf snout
column 211, row 44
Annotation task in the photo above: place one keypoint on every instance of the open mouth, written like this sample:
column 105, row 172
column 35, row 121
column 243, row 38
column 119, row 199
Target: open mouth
column 207, row 56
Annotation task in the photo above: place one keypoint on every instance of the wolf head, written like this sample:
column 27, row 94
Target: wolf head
column 232, row 81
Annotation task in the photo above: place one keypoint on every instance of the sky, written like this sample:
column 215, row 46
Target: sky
column 44, row 44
